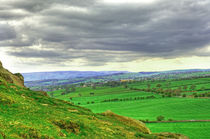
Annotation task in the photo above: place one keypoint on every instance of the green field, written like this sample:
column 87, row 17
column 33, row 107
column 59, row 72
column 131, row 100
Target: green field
column 124, row 101
column 170, row 108
column 195, row 130
column 201, row 85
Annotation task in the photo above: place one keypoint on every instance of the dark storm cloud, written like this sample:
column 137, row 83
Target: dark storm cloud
column 81, row 28
column 6, row 32
column 11, row 15
column 31, row 53
column 39, row 5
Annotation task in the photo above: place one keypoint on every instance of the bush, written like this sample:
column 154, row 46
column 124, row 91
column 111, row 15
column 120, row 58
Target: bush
column 184, row 95
column 160, row 118
column 69, row 126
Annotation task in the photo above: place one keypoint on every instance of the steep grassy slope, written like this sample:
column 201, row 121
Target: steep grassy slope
column 8, row 77
column 29, row 114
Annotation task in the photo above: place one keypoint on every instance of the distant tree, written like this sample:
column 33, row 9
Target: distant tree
column 73, row 89
column 202, row 88
column 184, row 95
column 185, row 87
column 148, row 86
column 169, row 95
column 168, row 84
column 52, row 94
column 170, row 119
column 67, row 90
column 158, row 85
column 91, row 93
column 196, row 95
column 160, row 118
column 81, row 84
column 94, row 86
column 192, row 87
column 125, row 86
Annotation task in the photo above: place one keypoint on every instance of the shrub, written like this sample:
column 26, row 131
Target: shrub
column 184, row 95
column 69, row 126
column 160, row 118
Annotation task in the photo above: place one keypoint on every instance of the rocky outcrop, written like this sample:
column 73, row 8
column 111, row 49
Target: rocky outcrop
column 8, row 77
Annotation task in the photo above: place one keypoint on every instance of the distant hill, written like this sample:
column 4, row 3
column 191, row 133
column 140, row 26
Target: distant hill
column 38, row 76
column 67, row 74
column 38, row 79
column 148, row 72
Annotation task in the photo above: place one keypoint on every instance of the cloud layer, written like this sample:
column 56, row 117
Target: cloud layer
column 97, row 32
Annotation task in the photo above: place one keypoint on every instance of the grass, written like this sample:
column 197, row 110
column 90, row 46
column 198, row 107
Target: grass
column 176, row 108
column 27, row 114
column 99, row 99
column 173, row 84
column 170, row 108
column 194, row 130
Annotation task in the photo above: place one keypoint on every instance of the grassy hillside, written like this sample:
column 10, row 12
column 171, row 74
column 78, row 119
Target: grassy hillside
column 29, row 114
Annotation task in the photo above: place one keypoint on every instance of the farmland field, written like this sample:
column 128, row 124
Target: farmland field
column 142, row 101
column 170, row 108
column 194, row 130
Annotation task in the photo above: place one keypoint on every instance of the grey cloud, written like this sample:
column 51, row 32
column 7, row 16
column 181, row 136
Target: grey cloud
column 12, row 15
column 40, row 5
column 31, row 53
column 163, row 29
column 6, row 32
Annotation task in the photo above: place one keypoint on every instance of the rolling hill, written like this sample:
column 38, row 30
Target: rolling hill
column 36, row 76
column 28, row 114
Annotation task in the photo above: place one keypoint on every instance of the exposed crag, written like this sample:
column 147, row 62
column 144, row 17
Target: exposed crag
column 6, row 76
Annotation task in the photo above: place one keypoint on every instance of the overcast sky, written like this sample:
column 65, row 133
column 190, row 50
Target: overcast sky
column 131, row 35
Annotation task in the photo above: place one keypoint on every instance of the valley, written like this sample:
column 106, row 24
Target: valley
column 146, row 100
